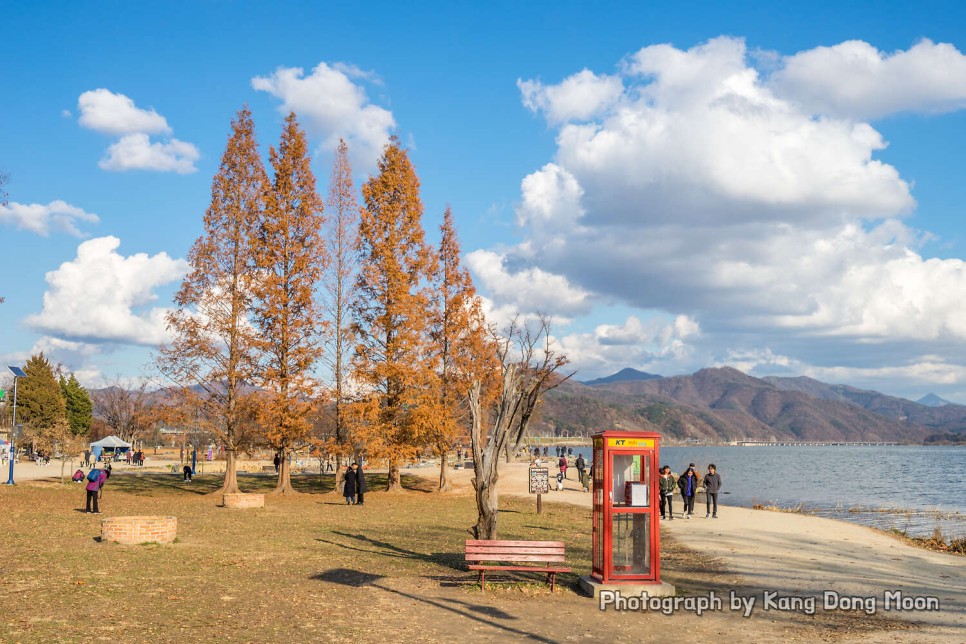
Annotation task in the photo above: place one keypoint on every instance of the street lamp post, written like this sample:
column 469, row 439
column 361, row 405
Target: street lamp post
column 17, row 374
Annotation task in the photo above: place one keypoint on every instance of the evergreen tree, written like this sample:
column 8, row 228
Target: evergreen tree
column 214, row 346
column 40, row 401
column 289, row 260
column 392, row 314
column 79, row 406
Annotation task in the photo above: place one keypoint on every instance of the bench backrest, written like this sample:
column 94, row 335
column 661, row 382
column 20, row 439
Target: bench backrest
column 479, row 550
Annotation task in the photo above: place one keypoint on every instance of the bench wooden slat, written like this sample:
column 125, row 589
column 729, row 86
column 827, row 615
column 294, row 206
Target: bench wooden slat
column 472, row 557
column 515, row 551
column 495, row 542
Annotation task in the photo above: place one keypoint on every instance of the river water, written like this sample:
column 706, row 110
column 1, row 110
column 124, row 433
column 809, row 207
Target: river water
column 903, row 487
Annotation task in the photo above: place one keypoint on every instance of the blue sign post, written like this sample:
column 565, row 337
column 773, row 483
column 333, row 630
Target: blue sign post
column 17, row 374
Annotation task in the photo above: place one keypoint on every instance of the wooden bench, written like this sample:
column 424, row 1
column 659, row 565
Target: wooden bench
column 520, row 555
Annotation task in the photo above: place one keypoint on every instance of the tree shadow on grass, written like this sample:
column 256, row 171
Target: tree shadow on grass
column 476, row 612
column 452, row 560
column 155, row 483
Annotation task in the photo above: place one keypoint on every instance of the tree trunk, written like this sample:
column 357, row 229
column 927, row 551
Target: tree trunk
column 284, row 485
column 394, row 479
column 487, row 502
column 444, row 485
column 63, row 462
column 230, row 485
column 339, row 475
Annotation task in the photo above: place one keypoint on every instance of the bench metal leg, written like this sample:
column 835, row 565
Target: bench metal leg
column 483, row 580
column 553, row 579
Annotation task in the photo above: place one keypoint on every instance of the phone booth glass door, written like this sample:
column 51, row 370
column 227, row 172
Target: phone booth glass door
column 630, row 514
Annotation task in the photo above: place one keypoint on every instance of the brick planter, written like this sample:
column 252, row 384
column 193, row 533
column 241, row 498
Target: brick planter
column 134, row 530
column 239, row 500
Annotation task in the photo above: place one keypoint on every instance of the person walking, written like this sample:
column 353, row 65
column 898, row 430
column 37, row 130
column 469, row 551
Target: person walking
column 562, row 464
column 349, row 485
column 581, row 466
column 667, row 484
column 712, row 484
column 95, row 481
column 87, row 458
column 277, row 461
column 688, row 483
column 360, row 484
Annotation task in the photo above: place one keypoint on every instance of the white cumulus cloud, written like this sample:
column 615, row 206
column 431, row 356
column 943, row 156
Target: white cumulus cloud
column 579, row 97
column 116, row 114
column 103, row 296
column 109, row 113
column 529, row 290
column 137, row 152
column 332, row 106
column 707, row 191
column 42, row 218
column 652, row 345
column 855, row 80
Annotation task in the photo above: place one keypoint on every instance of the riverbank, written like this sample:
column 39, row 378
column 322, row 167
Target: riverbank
column 796, row 555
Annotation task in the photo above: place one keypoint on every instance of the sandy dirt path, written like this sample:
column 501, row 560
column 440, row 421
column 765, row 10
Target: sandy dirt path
column 799, row 555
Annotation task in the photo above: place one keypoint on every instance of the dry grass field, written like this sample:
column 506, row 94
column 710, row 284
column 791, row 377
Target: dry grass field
column 309, row 568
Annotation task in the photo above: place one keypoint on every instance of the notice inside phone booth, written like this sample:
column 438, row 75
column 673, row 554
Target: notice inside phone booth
column 626, row 529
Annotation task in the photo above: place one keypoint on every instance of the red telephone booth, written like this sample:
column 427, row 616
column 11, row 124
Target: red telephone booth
column 626, row 526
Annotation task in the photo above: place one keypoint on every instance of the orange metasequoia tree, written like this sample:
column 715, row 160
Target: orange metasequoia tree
column 289, row 260
column 342, row 232
column 464, row 350
column 213, row 347
column 396, row 401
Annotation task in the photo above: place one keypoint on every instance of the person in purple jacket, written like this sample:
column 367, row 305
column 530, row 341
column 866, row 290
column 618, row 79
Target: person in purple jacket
column 94, row 488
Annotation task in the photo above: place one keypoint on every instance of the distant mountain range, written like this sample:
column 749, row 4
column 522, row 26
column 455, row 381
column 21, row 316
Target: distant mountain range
column 622, row 376
column 724, row 404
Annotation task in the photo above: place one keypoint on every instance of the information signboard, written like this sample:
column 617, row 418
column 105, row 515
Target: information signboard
column 539, row 480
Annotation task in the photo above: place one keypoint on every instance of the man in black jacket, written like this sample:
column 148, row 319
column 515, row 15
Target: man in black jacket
column 712, row 483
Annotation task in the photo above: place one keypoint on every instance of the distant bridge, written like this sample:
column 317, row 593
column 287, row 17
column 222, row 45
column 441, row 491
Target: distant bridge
column 810, row 443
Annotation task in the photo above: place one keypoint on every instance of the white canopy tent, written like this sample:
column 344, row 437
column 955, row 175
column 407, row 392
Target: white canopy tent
column 111, row 442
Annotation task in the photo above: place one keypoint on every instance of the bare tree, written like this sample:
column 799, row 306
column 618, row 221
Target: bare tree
column 341, row 238
column 530, row 367
column 126, row 411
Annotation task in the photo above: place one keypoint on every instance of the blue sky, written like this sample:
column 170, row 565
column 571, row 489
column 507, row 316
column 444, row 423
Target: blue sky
column 776, row 188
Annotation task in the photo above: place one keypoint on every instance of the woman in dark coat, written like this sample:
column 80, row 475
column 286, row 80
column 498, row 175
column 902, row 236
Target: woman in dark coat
column 688, row 482
column 349, row 485
column 360, row 482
